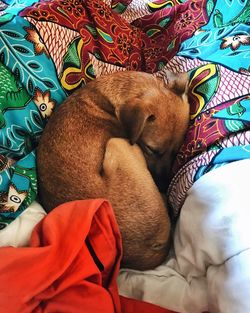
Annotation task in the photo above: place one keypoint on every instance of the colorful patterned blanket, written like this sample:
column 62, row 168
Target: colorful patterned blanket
column 50, row 48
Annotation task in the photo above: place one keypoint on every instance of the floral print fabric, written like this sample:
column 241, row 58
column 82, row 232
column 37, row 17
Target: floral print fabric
column 50, row 48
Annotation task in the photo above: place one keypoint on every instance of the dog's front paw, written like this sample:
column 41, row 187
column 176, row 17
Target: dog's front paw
column 121, row 155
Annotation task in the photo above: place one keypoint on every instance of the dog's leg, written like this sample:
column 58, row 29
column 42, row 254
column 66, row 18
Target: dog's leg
column 138, row 206
column 118, row 149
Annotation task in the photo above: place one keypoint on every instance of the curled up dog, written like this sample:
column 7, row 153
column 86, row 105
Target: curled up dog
column 104, row 141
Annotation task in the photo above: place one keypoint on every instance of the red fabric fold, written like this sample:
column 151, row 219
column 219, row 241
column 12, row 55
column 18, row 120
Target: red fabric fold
column 70, row 266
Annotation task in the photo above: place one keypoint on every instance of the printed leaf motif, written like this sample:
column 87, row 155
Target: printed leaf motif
column 151, row 32
column 210, row 7
column 6, row 18
column 161, row 66
column 2, row 57
column 37, row 119
column 12, row 34
column 218, row 19
column 234, row 125
column 34, row 65
column 119, row 7
column 194, row 51
column 171, row 45
column 234, row 53
column 92, row 30
column 72, row 54
column 205, row 37
column 25, row 65
column 30, row 86
column 21, row 49
column 164, row 22
column 13, row 95
column 19, row 132
column 97, row 55
column 17, row 74
column 208, row 88
column 89, row 70
column 237, row 109
column 8, row 142
column 104, row 35
column 221, row 31
column 49, row 84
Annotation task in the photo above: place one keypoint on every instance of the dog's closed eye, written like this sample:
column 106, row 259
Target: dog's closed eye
column 149, row 150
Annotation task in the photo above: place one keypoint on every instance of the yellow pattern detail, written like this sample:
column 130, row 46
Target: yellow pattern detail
column 212, row 71
column 71, row 70
column 158, row 6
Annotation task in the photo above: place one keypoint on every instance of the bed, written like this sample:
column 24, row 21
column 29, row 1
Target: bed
column 48, row 49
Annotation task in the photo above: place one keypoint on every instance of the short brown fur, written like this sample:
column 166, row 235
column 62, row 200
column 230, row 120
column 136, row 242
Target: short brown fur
column 80, row 155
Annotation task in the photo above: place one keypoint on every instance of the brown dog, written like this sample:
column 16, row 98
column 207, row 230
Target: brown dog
column 77, row 159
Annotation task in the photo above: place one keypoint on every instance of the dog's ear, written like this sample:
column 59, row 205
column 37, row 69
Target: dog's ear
column 133, row 118
column 178, row 82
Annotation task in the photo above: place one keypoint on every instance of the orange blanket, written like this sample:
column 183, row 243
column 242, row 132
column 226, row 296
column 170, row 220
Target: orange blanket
column 71, row 265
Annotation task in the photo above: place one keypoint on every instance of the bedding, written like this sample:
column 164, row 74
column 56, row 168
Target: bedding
column 72, row 262
column 49, row 48
column 210, row 268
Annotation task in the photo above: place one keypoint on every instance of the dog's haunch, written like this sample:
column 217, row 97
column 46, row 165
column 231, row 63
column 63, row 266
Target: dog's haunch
column 141, row 214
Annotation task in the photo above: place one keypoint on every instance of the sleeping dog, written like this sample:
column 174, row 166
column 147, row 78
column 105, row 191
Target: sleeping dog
column 80, row 155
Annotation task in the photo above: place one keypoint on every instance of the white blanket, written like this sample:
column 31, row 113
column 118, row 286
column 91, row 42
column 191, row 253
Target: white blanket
column 211, row 271
column 17, row 234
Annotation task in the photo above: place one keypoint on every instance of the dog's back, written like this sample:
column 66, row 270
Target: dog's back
column 71, row 150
